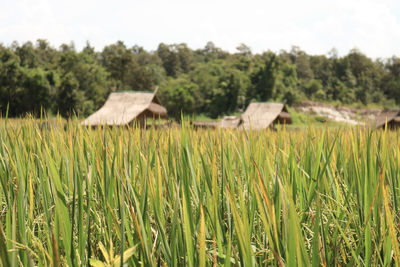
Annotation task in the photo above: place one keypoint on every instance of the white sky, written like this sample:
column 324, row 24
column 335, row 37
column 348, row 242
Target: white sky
column 317, row 26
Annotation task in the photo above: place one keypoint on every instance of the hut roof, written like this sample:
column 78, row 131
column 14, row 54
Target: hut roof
column 285, row 115
column 205, row 124
column 261, row 115
column 386, row 115
column 230, row 122
column 123, row 107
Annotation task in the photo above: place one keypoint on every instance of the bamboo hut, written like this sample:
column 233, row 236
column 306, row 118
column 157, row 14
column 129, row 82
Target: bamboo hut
column 127, row 108
column 230, row 122
column 205, row 124
column 392, row 117
column 263, row 115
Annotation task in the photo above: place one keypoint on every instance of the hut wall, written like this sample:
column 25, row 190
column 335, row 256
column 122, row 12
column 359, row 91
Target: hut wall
column 283, row 118
column 393, row 125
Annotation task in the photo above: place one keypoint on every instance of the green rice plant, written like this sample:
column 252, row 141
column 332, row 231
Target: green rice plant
column 73, row 196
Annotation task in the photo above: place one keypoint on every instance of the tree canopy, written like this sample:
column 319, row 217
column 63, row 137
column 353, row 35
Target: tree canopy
column 210, row 81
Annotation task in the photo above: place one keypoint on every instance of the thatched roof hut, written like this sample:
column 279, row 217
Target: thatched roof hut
column 230, row 122
column 123, row 108
column 262, row 115
column 391, row 116
column 205, row 124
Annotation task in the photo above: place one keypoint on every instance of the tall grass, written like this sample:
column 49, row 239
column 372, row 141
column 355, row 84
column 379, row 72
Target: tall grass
column 113, row 196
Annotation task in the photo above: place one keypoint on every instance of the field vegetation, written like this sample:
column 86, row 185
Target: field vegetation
column 113, row 196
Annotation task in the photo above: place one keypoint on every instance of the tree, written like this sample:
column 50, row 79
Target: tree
column 27, row 55
column 312, row 87
column 244, row 50
column 264, row 80
column 47, row 56
column 38, row 91
column 229, row 93
column 322, row 69
column 208, row 80
column 176, row 58
column 10, row 82
column 210, row 52
column 90, row 78
column 286, row 84
column 69, row 98
column 170, row 60
column 185, row 55
column 178, row 96
column 303, row 69
column 390, row 81
column 117, row 60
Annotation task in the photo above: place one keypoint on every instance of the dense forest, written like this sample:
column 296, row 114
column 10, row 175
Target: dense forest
column 210, row 81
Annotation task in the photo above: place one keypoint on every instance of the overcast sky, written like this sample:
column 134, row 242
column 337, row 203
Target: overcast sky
column 316, row 26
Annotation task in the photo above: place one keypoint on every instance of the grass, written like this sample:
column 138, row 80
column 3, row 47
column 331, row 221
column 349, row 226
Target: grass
column 114, row 196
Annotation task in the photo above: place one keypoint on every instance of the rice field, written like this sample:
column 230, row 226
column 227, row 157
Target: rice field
column 127, row 197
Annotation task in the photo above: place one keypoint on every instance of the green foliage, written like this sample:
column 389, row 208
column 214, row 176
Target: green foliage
column 264, row 80
column 179, row 95
column 84, row 83
column 40, row 89
column 124, row 67
column 207, row 81
column 312, row 87
column 10, row 76
column 222, row 88
column 69, row 98
column 176, row 58
column 391, row 79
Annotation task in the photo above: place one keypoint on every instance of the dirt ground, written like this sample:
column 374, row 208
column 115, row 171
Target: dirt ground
column 338, row 113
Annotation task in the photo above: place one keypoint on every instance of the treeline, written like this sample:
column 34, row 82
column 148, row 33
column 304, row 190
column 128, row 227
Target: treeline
column 209, row 81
